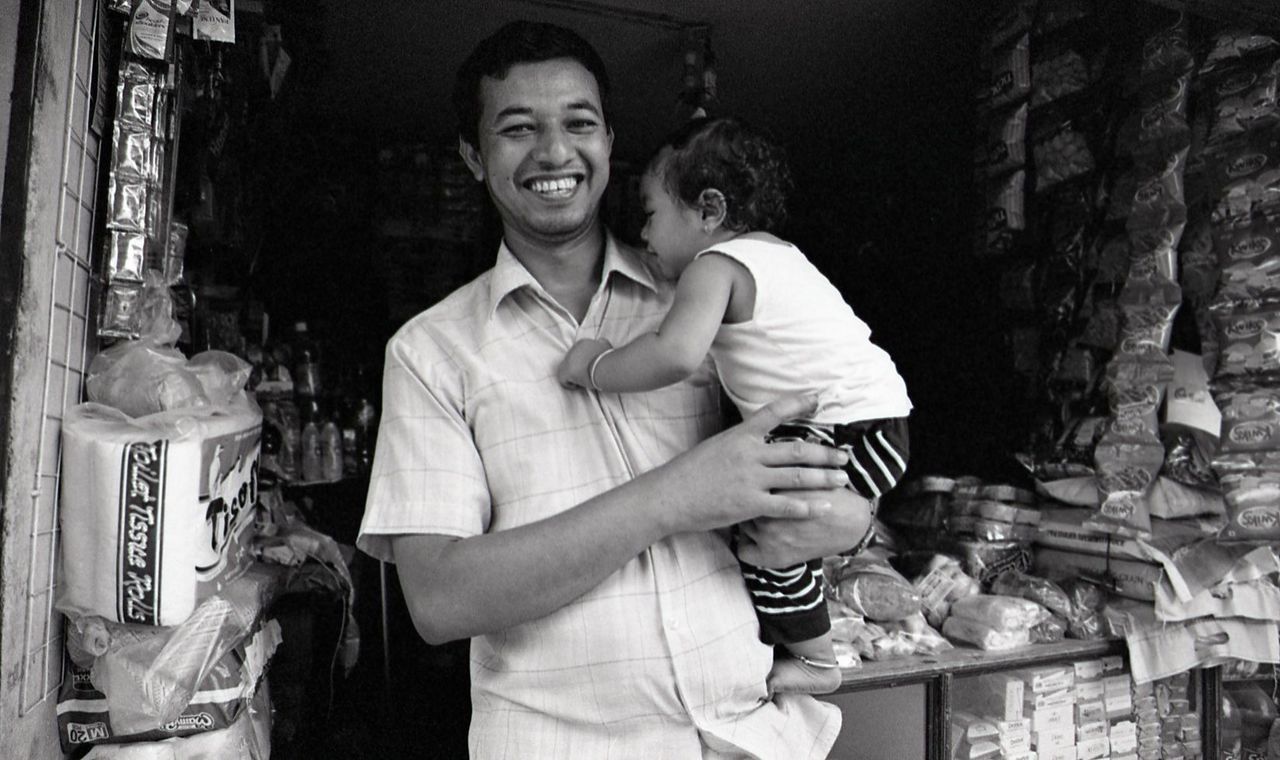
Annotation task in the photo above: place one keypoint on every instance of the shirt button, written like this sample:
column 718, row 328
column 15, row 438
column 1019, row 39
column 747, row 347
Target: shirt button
column 673, row 624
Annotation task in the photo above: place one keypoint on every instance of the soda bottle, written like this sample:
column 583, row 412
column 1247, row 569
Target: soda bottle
column 1230, row 730
column 306, row 363
column 312, row 458
column 331, row 450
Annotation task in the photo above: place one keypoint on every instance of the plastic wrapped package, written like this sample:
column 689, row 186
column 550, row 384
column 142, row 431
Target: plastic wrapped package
column 924, row 639
column 247, row 738
column 1003, row 613
column 1040, row 590
column 872, row 588
column 983, row 635
column 942, row 582
column 150, row 552
column 149, row 675
column 84, row 715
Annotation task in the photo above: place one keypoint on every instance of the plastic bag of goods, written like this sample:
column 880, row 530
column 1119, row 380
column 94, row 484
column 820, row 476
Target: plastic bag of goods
column 873, row 589
column 1005, row 613
column 942, row 581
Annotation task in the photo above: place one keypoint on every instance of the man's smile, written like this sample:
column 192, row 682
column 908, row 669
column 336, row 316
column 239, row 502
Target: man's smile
column 557, row 187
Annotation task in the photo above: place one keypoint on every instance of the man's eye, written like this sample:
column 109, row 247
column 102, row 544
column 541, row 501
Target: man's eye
column 516, row 129
column 583, row 125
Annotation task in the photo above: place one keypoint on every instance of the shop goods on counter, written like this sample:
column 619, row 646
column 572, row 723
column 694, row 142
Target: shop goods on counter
column 84, row 717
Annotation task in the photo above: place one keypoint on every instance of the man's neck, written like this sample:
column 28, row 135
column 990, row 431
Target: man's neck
column 569, row 271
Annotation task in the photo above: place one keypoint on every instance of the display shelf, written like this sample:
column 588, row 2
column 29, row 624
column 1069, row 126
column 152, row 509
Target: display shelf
column 937, row 673
column 966, row 662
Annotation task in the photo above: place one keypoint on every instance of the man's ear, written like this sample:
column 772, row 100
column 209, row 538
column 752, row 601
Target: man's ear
column 471, row 157
column 711, row 205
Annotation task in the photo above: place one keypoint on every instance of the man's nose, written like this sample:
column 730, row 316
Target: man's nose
column 553, row 147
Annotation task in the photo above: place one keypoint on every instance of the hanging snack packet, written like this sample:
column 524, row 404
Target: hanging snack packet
column 1158, row 199
column 1005, row 214
column 1243, row 176
column 1155, row 249
column 1127, row 462
column 1250, row 417
column 1006, row 143
column 1249, row 336
column 1249, row 261
column 1166, row 53
column 1009, row 78
column 1244, row 98
column 1060, row 147
column 1058, row 72
column 1229, row 46
column 1251, row 488
column 150, row 30
column 1011, row 20
column 1157, row 122
column 215, row 21
column 1148, row 302
column 1197, row 260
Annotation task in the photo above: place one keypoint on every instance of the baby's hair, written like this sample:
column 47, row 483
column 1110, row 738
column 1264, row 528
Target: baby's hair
column 739, row 160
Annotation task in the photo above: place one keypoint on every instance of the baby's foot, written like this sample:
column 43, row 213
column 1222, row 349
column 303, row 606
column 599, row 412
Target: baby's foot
column 792, row 675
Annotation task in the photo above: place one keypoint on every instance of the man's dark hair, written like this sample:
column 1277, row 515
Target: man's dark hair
column 515, row 43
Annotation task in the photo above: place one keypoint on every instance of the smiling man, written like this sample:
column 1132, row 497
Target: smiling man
column 574, row 537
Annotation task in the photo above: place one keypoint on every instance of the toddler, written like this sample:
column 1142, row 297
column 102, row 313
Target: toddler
column 774, row 325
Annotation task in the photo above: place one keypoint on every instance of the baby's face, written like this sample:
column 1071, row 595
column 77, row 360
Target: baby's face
column 673, row 231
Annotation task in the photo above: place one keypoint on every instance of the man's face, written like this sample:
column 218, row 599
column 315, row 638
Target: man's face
column 544, row 150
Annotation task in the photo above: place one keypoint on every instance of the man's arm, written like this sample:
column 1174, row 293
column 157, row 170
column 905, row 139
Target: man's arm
column 457, row 588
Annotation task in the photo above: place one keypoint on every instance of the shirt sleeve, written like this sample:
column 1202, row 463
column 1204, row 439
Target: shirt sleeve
column 427, row 476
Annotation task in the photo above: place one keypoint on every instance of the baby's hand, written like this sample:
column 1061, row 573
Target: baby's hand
column 575, row 368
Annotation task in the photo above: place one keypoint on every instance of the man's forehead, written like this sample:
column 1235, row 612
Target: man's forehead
column 561, row 83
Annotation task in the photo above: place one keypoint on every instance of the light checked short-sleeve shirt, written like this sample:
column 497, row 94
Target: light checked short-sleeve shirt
column 662, row 660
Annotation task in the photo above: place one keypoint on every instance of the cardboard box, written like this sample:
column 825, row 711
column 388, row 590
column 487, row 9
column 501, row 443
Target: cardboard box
column 1016, row 743
column 1113, row 663
column 1021, row 725
column 1052, row 718
column 1058, row 753
column 1088, row 712
column 1090, row 730
column 1093, row 748
column 1054, row 738
column 1118, row 706
column 1065, row 696
column 1050, row 679
column 1134, row 579
column 1089, row 691
column 1117, row 684
column 1088, row 670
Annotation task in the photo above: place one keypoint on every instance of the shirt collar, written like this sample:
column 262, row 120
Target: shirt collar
column 509, row 275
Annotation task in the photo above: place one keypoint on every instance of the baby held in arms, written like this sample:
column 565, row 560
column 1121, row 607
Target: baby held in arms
column 773, row 325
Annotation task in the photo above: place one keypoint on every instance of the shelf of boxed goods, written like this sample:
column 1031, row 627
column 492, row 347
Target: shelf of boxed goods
column 937, row 673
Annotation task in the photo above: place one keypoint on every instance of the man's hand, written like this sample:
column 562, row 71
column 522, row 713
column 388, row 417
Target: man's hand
column 575, row 368
column 769, row 542
column 736, row 476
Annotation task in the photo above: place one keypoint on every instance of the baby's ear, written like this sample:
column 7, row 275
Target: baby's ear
column 711, row 204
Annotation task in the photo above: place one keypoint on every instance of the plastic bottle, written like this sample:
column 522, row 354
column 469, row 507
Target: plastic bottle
column 331, row 450
column 1257, row 712
column 1229, row 729
column 365, row 422
column 312, row 460
column 306, row 363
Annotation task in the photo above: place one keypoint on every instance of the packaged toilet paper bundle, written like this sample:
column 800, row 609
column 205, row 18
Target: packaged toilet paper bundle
column 157, row 510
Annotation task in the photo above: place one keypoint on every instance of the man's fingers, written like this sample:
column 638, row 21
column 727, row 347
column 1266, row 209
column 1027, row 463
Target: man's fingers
column 806, row 479
column 803, row 454
column 793, row 508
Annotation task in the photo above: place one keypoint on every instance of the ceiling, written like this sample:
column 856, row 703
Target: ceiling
column 825, row 74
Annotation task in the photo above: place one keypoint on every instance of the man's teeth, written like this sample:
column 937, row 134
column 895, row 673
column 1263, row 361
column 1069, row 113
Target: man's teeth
column 561, row 185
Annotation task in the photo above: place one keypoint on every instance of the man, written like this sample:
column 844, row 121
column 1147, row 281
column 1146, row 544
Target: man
column 573, row 535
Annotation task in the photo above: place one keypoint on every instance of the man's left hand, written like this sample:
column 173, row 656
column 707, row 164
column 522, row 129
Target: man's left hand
column 768, row 542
